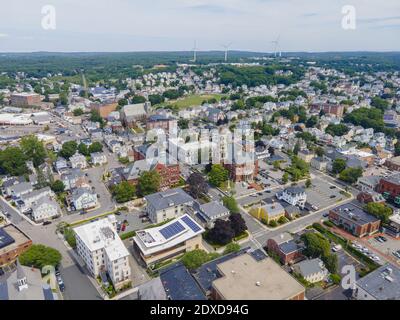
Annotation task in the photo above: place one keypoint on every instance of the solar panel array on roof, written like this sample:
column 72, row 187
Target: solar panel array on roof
column 172, row 230
column 190, row 223
column 5, row 239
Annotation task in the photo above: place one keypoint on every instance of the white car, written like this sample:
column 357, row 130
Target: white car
column 375, row 258
column 337, row 248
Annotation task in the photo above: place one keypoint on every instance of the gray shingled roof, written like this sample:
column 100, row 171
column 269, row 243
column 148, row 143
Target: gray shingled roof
column 213, row 209
column 166, row 199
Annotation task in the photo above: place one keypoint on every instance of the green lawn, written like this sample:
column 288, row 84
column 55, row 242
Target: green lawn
column 193, row 100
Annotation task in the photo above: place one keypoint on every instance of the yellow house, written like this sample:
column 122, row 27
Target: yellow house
column 268, row 212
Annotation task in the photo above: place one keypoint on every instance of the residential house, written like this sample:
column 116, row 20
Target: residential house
column 162, row 206
column 286, row 247
column 268, row 212
column 45, row 208
column 98, row 158
column 312, row 271
column 78, row 161
column 295, row 196
column 210, row 212
column 83, row 199
column 74, row 178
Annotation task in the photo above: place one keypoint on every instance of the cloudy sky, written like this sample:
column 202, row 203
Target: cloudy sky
column 142, row 25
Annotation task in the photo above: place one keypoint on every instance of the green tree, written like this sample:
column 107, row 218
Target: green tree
column 379, row 103
column 78, row 112
column 33, row 149
column 308, row 183
column 13, row 161
column 95, row 117
column 39, row 256
column 83, row 149
column 196, row 258
column 285, row 178
column 57, row 186
column 379, row 210
column 331, row 263
column 337, row 129
column 316, row 245
column 149, row 182
column 138, row 99
column 124, row 192
column 231, row 204
column 351, row 175
column 231, row 248
column 218, row 175
column 338, row 165
column 95, row 147
column 68, row 149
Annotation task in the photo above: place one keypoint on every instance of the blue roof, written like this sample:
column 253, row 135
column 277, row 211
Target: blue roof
column 172, row 230
column 179, row 284
column 5, row 239
column 190, row 223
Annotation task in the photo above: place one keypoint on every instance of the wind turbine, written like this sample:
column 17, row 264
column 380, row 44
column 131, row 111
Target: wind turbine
column 195, row 52
column 226, row 46
column 276, row 43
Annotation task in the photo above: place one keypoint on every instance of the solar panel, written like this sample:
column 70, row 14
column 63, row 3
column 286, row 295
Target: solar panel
column 172, row 230
column 5, row 239
column 190, row 223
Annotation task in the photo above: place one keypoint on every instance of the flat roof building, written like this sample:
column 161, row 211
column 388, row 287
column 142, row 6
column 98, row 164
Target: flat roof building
column 354, row 220
column 167, row 241
column 99, row 245
column 13, row 242
column 244, row 278
column 381, row 284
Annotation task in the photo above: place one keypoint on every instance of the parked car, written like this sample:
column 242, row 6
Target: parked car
column 46, row 223
column 337, row 248
column 61, row 284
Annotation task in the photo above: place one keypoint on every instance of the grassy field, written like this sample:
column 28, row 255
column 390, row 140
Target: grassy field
column 192, row 100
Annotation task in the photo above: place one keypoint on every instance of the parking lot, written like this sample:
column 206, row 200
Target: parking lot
column 134, row 221
column 386, row 248
column 323, row 195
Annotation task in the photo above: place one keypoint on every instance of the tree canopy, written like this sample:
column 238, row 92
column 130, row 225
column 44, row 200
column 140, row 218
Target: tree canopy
column 149, row 182
column 218, row 175
column 39, row 256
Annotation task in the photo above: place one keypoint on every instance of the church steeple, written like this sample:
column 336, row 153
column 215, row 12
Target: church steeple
column 21, row 278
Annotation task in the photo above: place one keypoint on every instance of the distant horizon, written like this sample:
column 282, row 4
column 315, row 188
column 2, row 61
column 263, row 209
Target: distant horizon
column 201, row 51
column 180, row 25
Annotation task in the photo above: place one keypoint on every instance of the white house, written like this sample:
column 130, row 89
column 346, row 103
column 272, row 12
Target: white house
column 45, row 208
column 162, row 206
column 78, row 161
column 99, row 245
column 312, row 270
column 83, row 198
column 295, row 196
column 98, row 158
